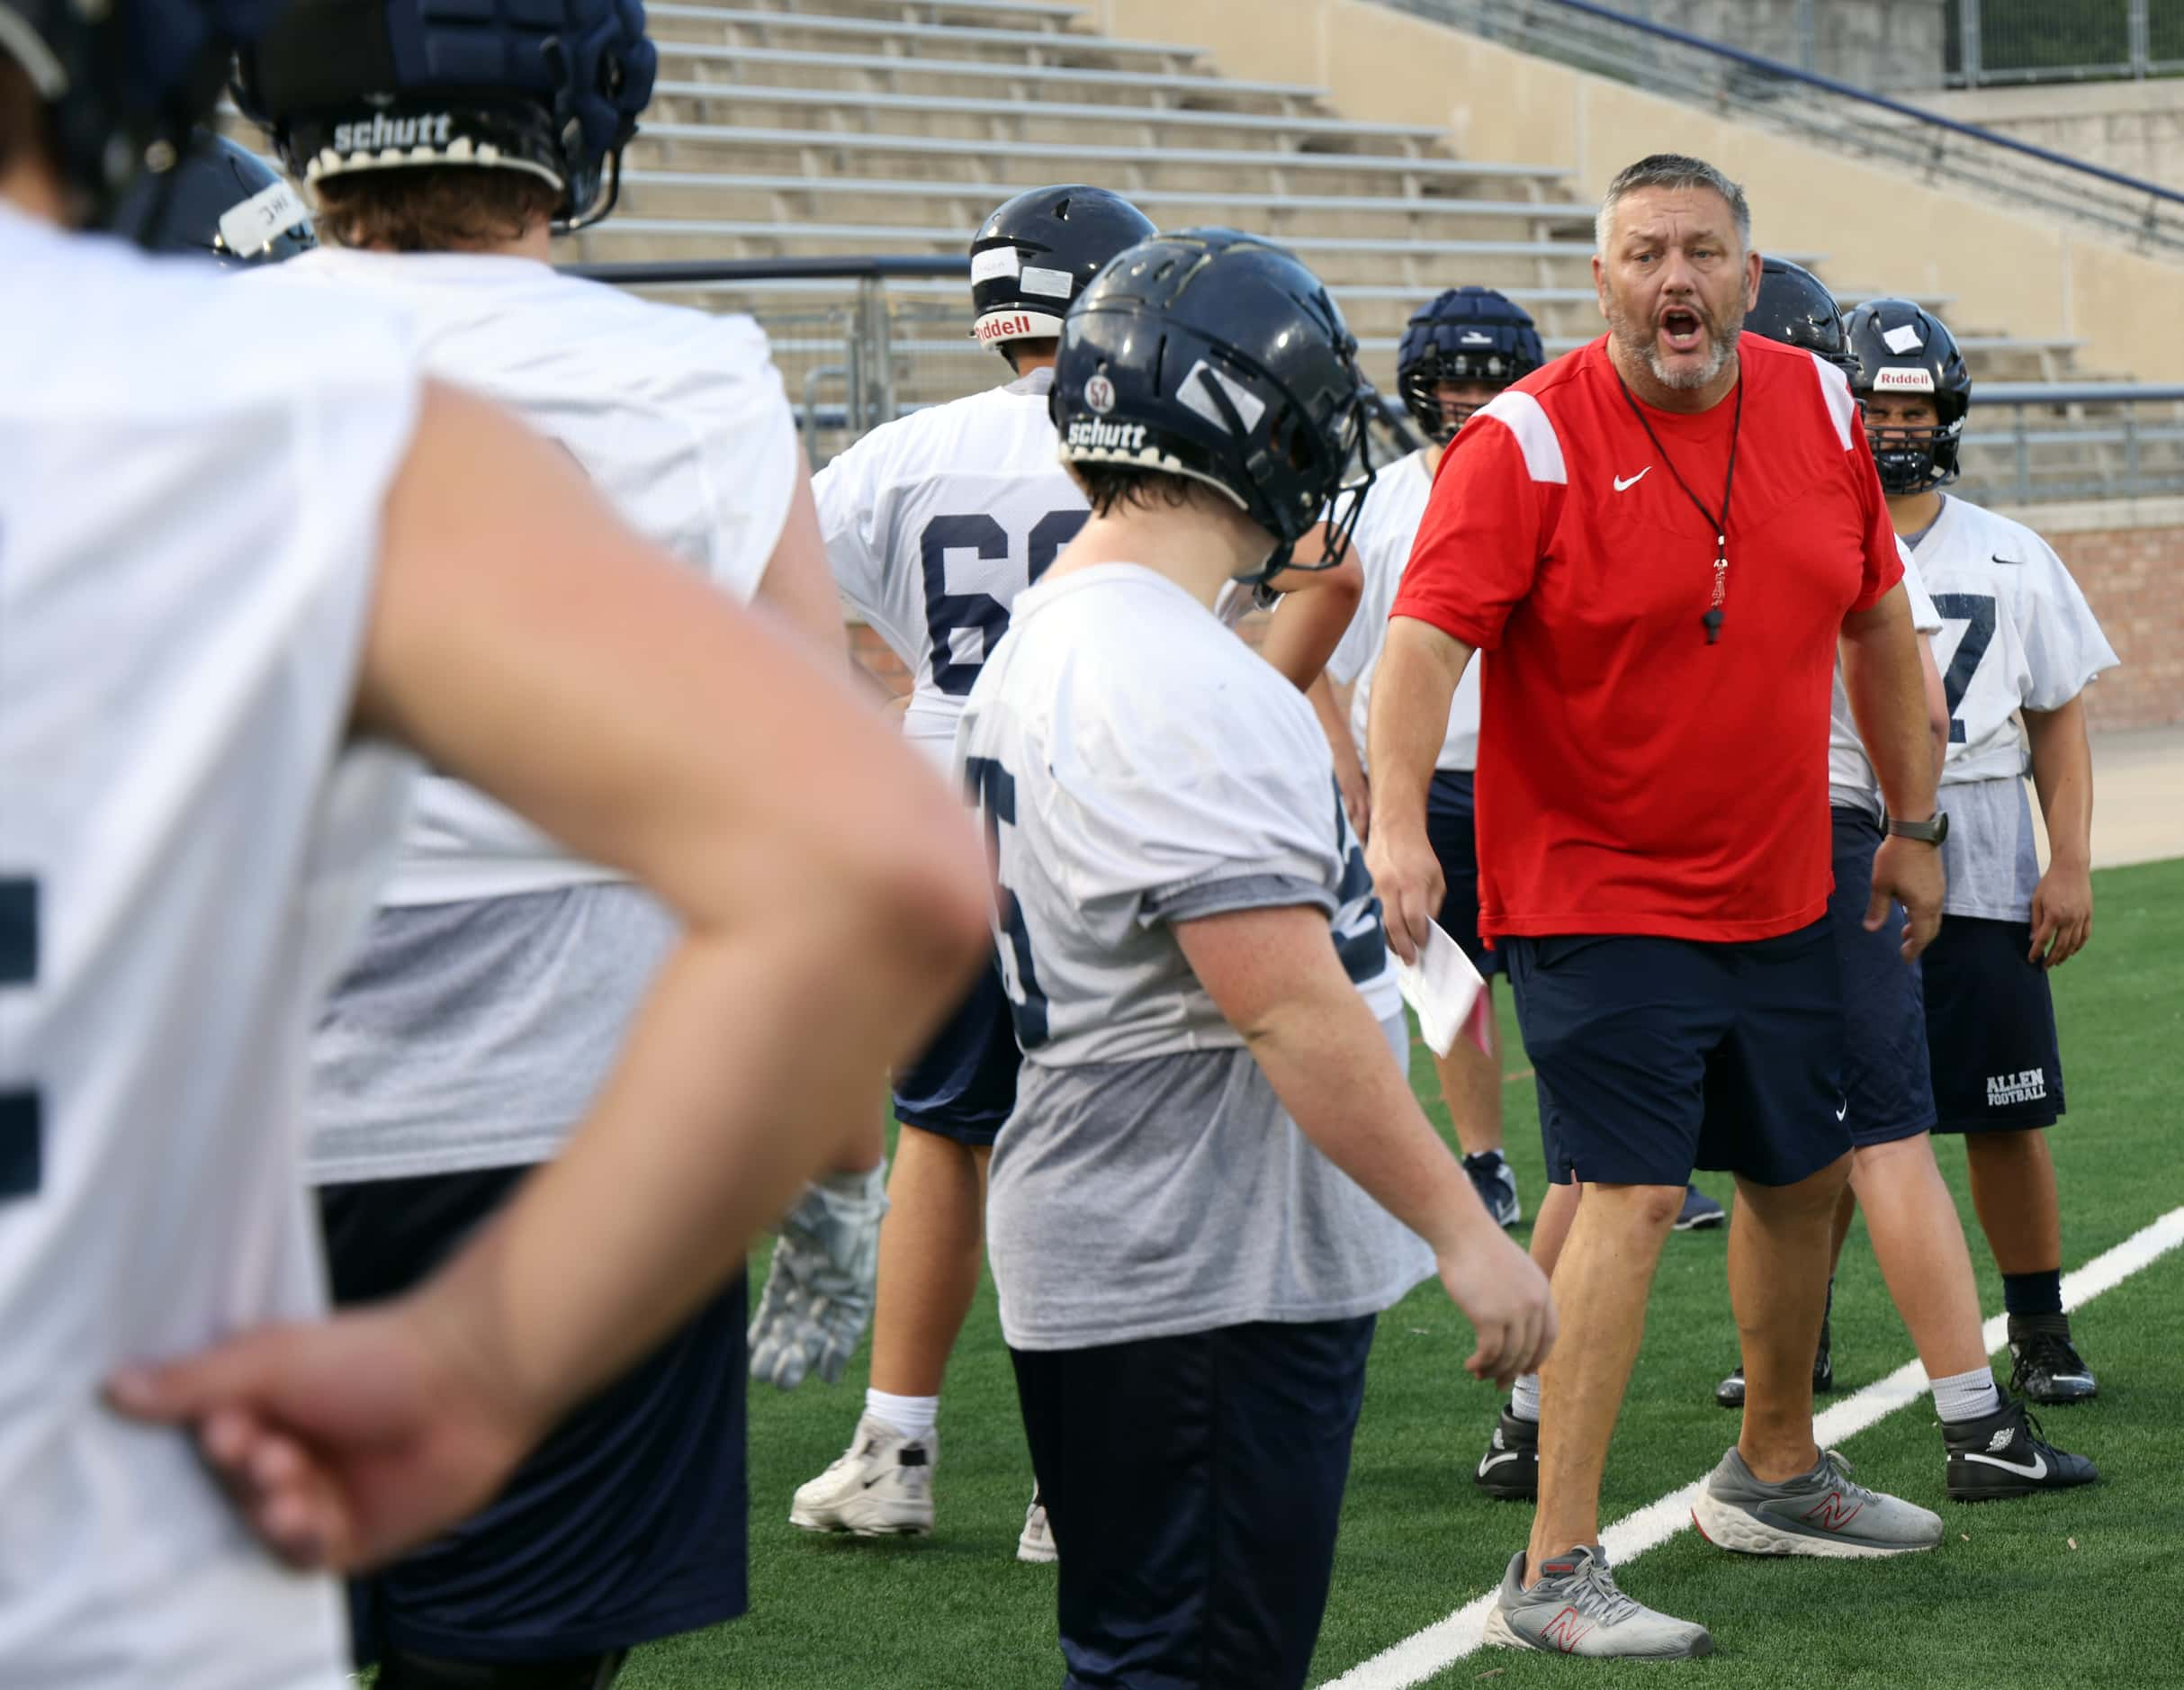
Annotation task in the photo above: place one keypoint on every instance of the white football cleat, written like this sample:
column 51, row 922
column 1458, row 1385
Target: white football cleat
column 1035, row 1542
column 881, row 1485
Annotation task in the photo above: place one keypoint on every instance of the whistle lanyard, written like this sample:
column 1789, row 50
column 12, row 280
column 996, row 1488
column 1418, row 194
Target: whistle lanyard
column 1712, row 618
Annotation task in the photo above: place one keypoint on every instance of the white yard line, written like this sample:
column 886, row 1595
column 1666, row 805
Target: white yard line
column 1439, row 1645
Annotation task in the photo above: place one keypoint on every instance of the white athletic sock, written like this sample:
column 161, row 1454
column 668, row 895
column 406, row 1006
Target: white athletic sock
column 1964, row 1397
column 1524, row 1401
column 912, row 1416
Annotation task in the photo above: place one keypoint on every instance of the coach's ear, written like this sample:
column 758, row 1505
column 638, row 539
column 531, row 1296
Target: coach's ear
column 1754, row 263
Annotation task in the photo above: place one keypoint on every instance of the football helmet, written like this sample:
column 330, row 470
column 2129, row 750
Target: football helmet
column 1217, row 356
column 124, row 82
column 224, row 202
column 1900, row 348
column 1034, row 253
column 1469, row 334
column 1795, row 308
column 553, row 87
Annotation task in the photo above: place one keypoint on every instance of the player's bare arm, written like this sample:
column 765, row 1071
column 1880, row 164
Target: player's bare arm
column 1887, row 686
column 1936, row 702
column 1274, row 974
column 1314, row 614
column 1330, row 703
column 2062, row 774
column 523, row 641
column 1411, row 710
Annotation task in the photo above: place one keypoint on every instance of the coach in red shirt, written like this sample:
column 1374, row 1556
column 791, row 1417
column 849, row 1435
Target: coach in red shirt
column 1661, row 538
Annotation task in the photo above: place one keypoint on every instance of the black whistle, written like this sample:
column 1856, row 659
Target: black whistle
column 1713, row 619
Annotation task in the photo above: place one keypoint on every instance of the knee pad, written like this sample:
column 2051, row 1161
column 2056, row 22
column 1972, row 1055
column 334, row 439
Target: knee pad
column 405, row 1669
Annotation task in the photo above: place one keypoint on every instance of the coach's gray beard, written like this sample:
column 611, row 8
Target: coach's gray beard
column 1641, row 342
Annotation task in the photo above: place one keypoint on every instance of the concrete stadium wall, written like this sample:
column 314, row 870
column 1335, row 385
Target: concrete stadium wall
column 1893, row 44
column 2133, row 127
column 2009, row 272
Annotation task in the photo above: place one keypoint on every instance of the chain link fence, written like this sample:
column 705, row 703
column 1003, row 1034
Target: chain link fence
column 1992, row 42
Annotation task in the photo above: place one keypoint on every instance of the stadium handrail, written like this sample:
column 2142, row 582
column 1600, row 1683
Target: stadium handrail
column 1454, row 12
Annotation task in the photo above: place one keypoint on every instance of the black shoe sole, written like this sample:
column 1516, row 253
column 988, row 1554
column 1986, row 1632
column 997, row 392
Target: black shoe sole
column 1507, row 1493
column 2063, row 1402
column 2010, row 1493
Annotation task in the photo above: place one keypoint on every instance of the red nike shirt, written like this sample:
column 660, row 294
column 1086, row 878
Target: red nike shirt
column 1631, row 777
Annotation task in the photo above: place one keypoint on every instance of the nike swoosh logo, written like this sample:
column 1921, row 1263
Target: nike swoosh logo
column 1621, row 484
column 1493, row 1462
column 2037, row 1469
column 2014, row 561
column 1843, row 1112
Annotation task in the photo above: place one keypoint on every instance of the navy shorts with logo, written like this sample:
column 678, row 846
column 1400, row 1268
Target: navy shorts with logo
column 1451, row 828
column 1657, row 1055
column 627, row 1524
column 1885, row 1079
column 964, row 1086
column 1194, row 1484
column 1990, row 1029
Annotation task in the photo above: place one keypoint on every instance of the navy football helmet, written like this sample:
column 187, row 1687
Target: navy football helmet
column 553, row 87
column 124, row 82
column 1901, row 348
column 225, row 202
column 1034, row 254
column 1795, row 308
column 1217, row 356
column 1467, row 334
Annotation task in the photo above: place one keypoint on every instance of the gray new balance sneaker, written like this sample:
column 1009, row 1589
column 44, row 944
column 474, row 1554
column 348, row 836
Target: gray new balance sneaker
column 1824, row 1511
column 1575, row 1609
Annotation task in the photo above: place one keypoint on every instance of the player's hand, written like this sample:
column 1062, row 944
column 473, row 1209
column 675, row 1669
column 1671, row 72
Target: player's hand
column 343, row 1441
column 2062, row 915
column 1357, row 801
column 1505, row 1296
column 819, row 1293
column 1907, row 872
column 1407, row 876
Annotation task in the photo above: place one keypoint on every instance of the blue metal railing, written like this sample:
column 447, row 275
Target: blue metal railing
column 1680, row 64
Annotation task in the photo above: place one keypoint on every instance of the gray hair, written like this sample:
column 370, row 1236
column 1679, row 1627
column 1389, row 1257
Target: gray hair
column 1671, row 170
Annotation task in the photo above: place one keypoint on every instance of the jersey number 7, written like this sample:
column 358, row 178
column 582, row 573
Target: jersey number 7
column 966, row 626
column 1976, row 612
column 22, row 1114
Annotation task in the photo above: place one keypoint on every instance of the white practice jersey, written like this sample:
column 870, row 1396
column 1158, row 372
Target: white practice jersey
column 1133, row 756
column 1851, row 781
column 192, row 475
column 678, row 417
column 2017, row 634
column 934, row 524
column 1385, row 527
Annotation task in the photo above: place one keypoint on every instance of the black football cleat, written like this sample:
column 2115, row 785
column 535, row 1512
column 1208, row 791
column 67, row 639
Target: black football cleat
column 1730, row 1392
column 2046, row 1366
column 1510, row 1469
column 2003, row 1454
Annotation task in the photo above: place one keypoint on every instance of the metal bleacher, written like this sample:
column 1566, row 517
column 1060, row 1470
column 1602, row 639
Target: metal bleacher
column 828, row 128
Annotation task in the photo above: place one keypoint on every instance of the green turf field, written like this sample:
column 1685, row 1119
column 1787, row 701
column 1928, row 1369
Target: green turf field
column 2082, row 1587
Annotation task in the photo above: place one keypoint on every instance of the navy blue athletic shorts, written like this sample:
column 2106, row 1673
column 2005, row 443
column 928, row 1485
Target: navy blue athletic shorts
column 1990, row 1029
column 1657, row 1056
column 1193, row 1484
column 1451, row 828
column 1886, row 1080
column 626, row 1524
column 964, row 1086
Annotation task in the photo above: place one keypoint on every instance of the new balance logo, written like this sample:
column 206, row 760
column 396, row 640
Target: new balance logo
column 1566, row 1631
column 2028, row 1085
column 383, row 131
column 1834, row 1512
column 1621, row 484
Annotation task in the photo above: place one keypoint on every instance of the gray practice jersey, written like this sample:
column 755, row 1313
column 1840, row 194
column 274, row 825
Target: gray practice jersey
column 2017, row 634
column 1138, row 766
column 934, row 523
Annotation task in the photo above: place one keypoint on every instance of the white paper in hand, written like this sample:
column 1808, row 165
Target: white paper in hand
column 1448, row 995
